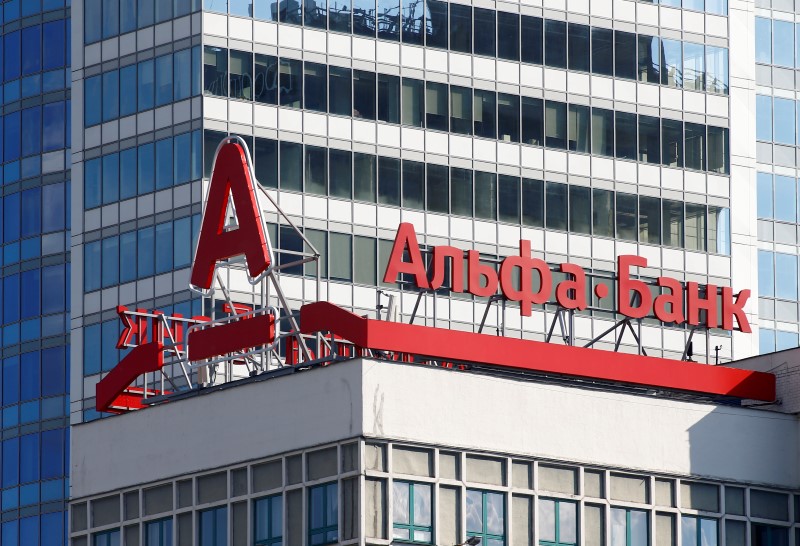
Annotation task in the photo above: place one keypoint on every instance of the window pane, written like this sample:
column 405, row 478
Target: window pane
column 785, row 198
column 436, row 116
column 437, row 188
column 461, row 191
column 673, row 223
column 316, row 170
column 413, row 22
column 339, row 16
column 461, row 28
column 625, row 127
column 693, row 66
column 579, row 209
column 784, row 121
column 413, row 106
column 783, row 43
column 718, row 150
column 766, row 274
column 389, row 181
column 717, row 70
column 341, row 173
column 291, row 83
column 241, row 75
column 413, row 184
column 603, row 132
column 147, row 85
column 764, row 118
column 650, row 220
column 532, row 35
column 763, row 40
column 340, row 259
column 532, row 202
column 695, row 234
column 508, row 117
column 602, row 51
column 578, row 47
column 92, row 88
column 364, row 94
column 556, row 206
column 389, row 98
column 436, row 24
column 671, row 143
column 786, row 276
column 128, row 85
column 485, row 195
column 695, row 146
column 649, row 140
column 547, row 520
column 460, row 110
column 649, row 59
column 485, row 113
column 163, row 80
column 341, row 86
column 110, row 178
column 555, row 43
column 764, row 195
column 402, row 511
column 638, row 532
column 555, row 125
column 422, row 505
column 626, row 216
column 625, row 61
column 508, row 35
column 291, row 165
column 389, row 19
column 603, row 213
column 485, row 40
column 508, row 200
column 364, row 17
column 567, row 523
column 315, row 85
column 266, row 79
column 671, row 63
column 532, row 121
column 315, row 14
column 110, row 95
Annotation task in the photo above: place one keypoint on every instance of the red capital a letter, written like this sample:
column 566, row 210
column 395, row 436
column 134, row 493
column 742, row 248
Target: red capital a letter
column 406, row 238
column 628, row 285
column 231, row 176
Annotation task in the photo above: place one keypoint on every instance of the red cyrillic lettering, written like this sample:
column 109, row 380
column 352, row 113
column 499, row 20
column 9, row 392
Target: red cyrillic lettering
column 669, row 307
column 571, row 293
column 476, row 271
column 231, row 176
column 440, row 254
column 628, row 285
column 731, row 308
column 694, row 303
column 406, row 240
column 526, row 265
column 129, row 328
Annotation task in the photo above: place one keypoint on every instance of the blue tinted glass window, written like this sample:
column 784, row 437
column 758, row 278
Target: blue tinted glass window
column 197, row 155
column 10, row 458
column 183, row 168
column 110, row 354
column 29, row 376
column 127, row 257
column 785, row 198
column 53, row 207
column 52, row 529
column 91, row 266
column 183, row 242
column 127, row 173
column 766, row 274
column 146, row 170
column 30, row 282
column 11, row 299
column 11, row 56
column 127, row 16
column 220, row 6
column 127, row 85
column 146, row 249
column 53, row 127
column 196, row 70
column 93, row 23
column 110, row 252
column 146, row 13
column 31, row 212
column 110, row 95
column 163, row 79
column 183, row 74
column 55, row 45
column 31, row 131
column 164, row 164
column 29, row 527
column 91, row 349
column 763, row 40
column 54, row 371
column 52, row 453
column 784, row 118
column 31, row 50
column 163, row 11
column 785, row 340
column 10, row 532
column 110, row 18
column 764, row 118
column 158, row 533
column 783, row 43
column 11, row 136
column 184, row 7
column 110, row 178
column 786, row 276
column 11, row 223
column 92, row 183
column 214, row 525
column 92, row 88
column 163, row 247
column 146, row 85
column 53, row 289
column 29, row 460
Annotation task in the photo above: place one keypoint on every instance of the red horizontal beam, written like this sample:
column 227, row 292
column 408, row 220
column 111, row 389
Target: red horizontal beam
column 519, row 354
column 231, row 337
column 142, row 359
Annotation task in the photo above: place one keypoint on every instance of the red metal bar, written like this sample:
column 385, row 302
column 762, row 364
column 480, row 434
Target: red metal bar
column 452, row 345
column 231, row 337
column 142, row 359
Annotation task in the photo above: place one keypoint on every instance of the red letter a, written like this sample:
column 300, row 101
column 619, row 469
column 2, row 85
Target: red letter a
column 231, row 176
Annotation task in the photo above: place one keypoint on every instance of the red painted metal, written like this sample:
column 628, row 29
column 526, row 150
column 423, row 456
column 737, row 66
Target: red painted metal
column 142, row 359
column 518, row 354
column 231, row 337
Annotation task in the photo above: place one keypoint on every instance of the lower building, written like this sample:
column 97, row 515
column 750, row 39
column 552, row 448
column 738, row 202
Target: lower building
column 369, row 450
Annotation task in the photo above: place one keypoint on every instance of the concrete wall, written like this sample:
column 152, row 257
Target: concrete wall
column 440, row 407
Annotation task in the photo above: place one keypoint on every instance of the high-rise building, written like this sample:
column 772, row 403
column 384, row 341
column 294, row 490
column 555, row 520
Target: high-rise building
column 35, row 295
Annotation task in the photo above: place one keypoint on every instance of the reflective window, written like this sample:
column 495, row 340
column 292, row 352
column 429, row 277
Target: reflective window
column 461, row 28
column 629, row 527
column 694, row 66
column 158, row 533
column 413, row 513
column 316, row 87
column 783, row 43
column 486, row 516
column 107, row 538
column 265, row 82
column 532, row 37
column 213, row 527
column 627, row 216
column 764, row 195
column 485, row 40
column 215, row 71
column 786, row 276
column 413, row 105
column 783, row 111
column 580, row 207
column 558, row 522
column 241, row 75
column 555, row 43
column 413, row 22
column 291, row 86
column 625, row 56
column 485, row 113
column 602, row 51
column 671, row 63
column 578, row 128
column 268, row 516
column 763, row 40
column 556, row 206
column 603, row 132
column 785, row 198
column 578, row 49
column 389, row 19
column 323, row 508
column 649, row 59
column 603, row 217
column 625, row 127
column 364, row 95
column 364, row 17
column 315, row 13
column 389, row 98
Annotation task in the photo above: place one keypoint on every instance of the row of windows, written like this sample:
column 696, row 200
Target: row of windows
column 777, row 42
column 99, row 340
column 14, row 9
column 139, row 170
column 770, row 340
column 464, row 110
column 32, row 212
column 33, row 131
column 777, row 275
column 143, row 86
column 138, row 254
column 45, row 530
column 488, row 196
column 106, row 18
column 482, row 31
column 34, row 457
column 777, row 197
column 30, row 294
column 777, row 120
column 35, row 49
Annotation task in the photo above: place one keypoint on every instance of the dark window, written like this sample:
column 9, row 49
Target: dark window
column 485, row 25
column 718, row 150
column 323, row 509
column 268, row 516
column 341, row 90
column 413, row 105
column 602, row 213
column 413, row 22
column 241, row 76
column 365, row 179
column 213, row 527
column 649, row 59
column 436, row 99
column 578, row 54
column 291, row 83
column 556, row 206
column 580, row 209
column 578, row 128
column 627, row 215
column 291, row 166
column 389, row 98
column 625, row 55
column 485, row 195
column 437, row 187
column 316, row 170
column 315, row 80
column 289, row 11
column 266, row 79
column 389, row 181
column 461, row 191
column 555, row 43
column 695, row 146
column 650, row 220
column 315, row 13
column 436, row 24
column 485, row 113
column 649, row 140
column 555, row 125
column 265, row 157
column 602, row 51
column 508, row 200
column 389, row 19
column 364, row 17
column 532, row 121
column 461, row 110
column 338, row 16
column 532, row 202
column 508, row 117
column 363, row 94
column 508, row 35
column 532, row 48
column 461, row 28
column 341, row 173
column 626, row 135
column 215, row 72
column 413, row 184
column 671, row 143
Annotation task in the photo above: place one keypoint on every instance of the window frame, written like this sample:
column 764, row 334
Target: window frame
column 325, row 529
column 411, row 526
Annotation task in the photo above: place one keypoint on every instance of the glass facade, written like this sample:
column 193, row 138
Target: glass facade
column 36, row 217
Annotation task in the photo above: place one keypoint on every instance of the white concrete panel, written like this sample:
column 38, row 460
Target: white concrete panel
column 214, row 23
column 671, row 98
column 602, row 167
column 266, row 116
column 485, row 232
column 289, row 36
column 580, row 164
column 314, row 40
column 508, row 72
column 388, row 53
column 339, row 127
column 388, row 218
column 240, row 29
column 412, row 56
column 602, row 87
column 460, row 146
column 485, row 150
column 240, row 112
column 580, row 245
column 555, row 80
column 436, row 60
column 694, row 21
column 213, row 108
column 717, row 105
column 290, row 120
column 436, row 143
column 340, row 211
column 626, row 171
column 532, row 158
column 265, row 33
column 696, row 263
column 315, row 124
column 461, row 228
column 531, row 76
column 670, row 18
column 694, row 102
column 413, row 139
column 365, row 215
column 436, row 224
column 315, row 207
column 363, row 49
column 508, row 153
column 388, row 135
column 555, row 161
column 461, row 64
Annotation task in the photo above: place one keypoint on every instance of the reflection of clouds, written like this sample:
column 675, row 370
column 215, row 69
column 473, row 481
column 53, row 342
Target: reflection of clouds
column 495, row 520
column 474, row 512
column 566, row 523
column 708, row 532
column 400, row 496
column 547, row 520
column 618, row 528
column 638, row 528
column 422, row 505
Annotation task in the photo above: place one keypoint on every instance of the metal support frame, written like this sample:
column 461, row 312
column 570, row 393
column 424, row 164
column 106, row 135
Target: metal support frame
column 624, row 324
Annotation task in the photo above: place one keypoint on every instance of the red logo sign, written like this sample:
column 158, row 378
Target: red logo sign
column 516, row 274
